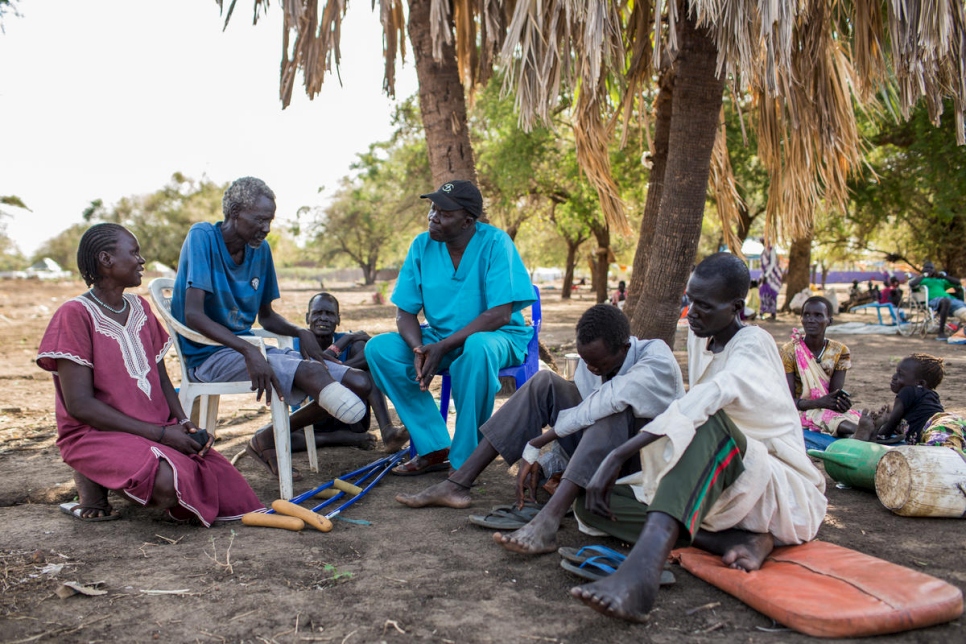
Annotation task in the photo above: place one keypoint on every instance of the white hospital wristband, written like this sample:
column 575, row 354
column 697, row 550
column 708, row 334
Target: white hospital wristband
column 530, row 454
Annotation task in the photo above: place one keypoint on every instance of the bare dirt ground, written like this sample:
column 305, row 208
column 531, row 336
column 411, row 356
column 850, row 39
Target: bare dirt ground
column 404, row 575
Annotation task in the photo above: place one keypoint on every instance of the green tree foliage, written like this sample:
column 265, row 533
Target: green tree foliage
column 160, row 220
column 10, row 256
column 909, row 202
column 534, row 186
column 376, row 211
column 62, row 248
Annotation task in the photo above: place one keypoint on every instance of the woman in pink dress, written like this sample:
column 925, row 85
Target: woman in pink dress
column 120, row 425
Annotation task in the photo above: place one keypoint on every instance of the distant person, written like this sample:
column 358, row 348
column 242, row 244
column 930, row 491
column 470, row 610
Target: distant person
column 918, row 407
column 770, row 284
column 471, row 285
column 891, row 292
column 619, row 296
column 724, row 468
column 752, row 302
column 226, row 281
column 120, row 425
column 937, row 285
column 815, row 368
column 323, row 319
column 858, row 297
column 873, row 291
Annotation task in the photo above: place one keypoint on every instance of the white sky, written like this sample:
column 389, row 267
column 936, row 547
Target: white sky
column 108, row 98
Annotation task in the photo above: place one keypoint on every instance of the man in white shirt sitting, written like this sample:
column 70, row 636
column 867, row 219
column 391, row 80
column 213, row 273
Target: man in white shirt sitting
column 620, row 383
column 723, row 469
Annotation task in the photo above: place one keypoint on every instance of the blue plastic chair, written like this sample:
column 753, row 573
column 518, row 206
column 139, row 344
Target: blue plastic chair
column 878, row 309
column 520, row 373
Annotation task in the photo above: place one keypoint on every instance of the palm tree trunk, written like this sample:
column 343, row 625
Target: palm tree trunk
column 655, row 188
column 695, row 109
column 441, row 101
column 799, row 264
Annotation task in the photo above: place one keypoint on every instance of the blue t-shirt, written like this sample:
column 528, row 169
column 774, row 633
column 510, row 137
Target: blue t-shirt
column 233, row 292
column 491, row 273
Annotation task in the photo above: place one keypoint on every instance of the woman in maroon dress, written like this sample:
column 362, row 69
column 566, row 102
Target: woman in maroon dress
column 120, row 425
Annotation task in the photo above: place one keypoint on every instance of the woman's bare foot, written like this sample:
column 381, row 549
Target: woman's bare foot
column 394, row 437
column 623, row 595
column 444, row 494
column 535, row 538
column 866, row 429
column 92, row 498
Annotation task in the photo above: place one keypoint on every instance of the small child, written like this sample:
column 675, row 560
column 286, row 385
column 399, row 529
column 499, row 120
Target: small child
column 917, row 402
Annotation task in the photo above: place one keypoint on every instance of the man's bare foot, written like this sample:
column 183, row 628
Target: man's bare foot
column 92, row 498
column 866, row 427
column 394, row 437
column 444, row 494
column 535, row 538
column 749, row 552
column 344, row 438
column 620, row 595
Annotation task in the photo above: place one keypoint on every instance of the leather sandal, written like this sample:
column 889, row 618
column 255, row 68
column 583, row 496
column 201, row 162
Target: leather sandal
column 433, row 462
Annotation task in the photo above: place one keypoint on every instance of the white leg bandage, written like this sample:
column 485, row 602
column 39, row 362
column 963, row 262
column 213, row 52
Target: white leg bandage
column 341, row 403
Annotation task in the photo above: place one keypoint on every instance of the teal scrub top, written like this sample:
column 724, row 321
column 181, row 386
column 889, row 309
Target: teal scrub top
column 491, row 273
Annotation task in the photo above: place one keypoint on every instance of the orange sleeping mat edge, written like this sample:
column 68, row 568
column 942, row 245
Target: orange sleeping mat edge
column 825, row 590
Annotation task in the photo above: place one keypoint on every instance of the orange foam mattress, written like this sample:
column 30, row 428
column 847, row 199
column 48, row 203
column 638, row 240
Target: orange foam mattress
column 825, row 590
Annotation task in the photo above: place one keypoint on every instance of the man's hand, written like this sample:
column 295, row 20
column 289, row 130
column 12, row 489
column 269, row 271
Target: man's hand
column 528, row 479
column 599, row 488
column 428, row 358
column 356, row 336
column 261, row 374
column 309, row 346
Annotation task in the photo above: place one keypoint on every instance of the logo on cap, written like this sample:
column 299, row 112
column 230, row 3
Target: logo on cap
column 447, row 187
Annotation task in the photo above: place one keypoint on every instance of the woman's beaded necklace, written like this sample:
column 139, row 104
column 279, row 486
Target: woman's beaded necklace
column 112, row 310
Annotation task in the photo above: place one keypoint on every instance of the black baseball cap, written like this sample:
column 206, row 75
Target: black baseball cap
column 458, row 195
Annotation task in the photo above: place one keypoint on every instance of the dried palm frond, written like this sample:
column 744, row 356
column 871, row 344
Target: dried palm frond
column 928, row 43
column 808, row 138
column 394, row 40
column 867, row 55
column 722, row 180
column 551, row 42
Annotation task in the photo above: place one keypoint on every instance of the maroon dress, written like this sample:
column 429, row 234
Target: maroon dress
column 124, row 362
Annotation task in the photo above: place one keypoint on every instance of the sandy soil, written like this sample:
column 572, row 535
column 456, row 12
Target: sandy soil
column 402, row 574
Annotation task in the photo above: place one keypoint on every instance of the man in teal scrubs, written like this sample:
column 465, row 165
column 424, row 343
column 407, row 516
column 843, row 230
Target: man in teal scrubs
column 470, row 283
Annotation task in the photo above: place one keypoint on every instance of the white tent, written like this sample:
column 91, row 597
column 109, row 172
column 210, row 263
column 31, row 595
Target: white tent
column 47, row 269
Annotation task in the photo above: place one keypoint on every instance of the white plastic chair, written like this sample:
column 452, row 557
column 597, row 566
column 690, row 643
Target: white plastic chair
column 209, row 394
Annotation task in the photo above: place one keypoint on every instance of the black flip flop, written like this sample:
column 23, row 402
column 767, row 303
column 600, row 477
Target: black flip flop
column 506, row 517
